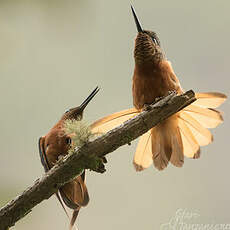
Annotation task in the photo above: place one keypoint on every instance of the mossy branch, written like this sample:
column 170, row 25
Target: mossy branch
column 88, row 156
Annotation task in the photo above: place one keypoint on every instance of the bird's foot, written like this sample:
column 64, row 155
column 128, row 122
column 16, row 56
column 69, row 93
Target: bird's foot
column 157, row 99
column 146, row 107
column 97, row 164
column 104, row 160
column 172, row 92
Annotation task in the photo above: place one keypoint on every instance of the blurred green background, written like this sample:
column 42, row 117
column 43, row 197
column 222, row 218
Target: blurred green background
column 53, row 53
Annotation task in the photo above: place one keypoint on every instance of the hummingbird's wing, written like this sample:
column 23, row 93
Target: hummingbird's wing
column 75, row 193
column 209, row 99
column 46, row 166
column 111, row 121
column 209, row 118
column 196, row 118
column 181, row 134
column 42, row 154
column 202, row 135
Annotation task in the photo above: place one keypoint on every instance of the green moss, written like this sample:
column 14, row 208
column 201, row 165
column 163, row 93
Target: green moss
column 80, row 134
column 79, row 131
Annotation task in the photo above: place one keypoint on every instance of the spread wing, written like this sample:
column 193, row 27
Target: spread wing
column 111, row 121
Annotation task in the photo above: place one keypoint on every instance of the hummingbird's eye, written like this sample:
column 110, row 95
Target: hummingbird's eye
column 154, row 40
column 68, row 140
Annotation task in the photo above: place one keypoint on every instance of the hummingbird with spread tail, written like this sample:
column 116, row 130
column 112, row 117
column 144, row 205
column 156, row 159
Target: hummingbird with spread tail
column 180, row 135
column 55, row 144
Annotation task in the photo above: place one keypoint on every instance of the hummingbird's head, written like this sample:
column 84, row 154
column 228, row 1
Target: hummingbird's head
column 77, row 112
column 147, row 45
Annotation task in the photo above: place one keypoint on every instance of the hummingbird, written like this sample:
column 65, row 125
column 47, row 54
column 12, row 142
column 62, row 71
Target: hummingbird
column 56, row 144
column 180, row 135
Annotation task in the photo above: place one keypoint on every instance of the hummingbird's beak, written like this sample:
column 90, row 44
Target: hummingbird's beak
column 138, row 25
column 88, row 99
column 76, row 113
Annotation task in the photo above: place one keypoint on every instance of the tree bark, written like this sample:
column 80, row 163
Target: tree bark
column 88, row 156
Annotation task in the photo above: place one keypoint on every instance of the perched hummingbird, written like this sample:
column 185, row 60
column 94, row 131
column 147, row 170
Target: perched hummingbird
column 55, row 144
column 181, row 134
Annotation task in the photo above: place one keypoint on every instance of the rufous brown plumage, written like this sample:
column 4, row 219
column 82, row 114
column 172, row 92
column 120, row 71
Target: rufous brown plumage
column 180, row 135
column 55, row 144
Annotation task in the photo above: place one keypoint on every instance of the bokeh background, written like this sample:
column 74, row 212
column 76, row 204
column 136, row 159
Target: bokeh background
column 53, row 53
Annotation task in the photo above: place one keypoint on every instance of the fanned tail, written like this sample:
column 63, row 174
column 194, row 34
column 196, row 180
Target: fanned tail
column 167, row 144
column 143, row 156
column 177, row 157
column 210, row 100
column 180, row 135
column 160, row 145
column 161, row 151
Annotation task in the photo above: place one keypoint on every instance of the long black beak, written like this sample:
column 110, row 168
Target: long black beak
column 76, row 113
column 138, row 25
column 88, row 99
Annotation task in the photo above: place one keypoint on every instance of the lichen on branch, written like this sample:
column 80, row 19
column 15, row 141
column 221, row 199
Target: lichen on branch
column 79, row 131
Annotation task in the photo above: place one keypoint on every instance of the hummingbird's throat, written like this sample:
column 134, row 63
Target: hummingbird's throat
column 146, row 50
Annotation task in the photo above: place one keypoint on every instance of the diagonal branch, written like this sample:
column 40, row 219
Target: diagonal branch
column 85, row 157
